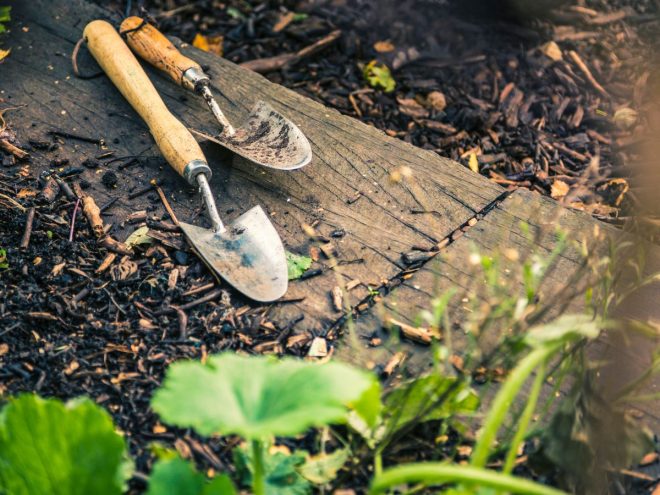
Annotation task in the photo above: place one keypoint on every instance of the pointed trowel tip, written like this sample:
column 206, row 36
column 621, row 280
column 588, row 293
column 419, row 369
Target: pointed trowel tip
column 248, row 255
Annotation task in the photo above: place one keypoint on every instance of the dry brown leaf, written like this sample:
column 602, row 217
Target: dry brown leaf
column 211, row 44
column 383, row 46
column 412, row 108
column 473, row 163
column 283, row 22
column 436, row 100
column 4, row 54
column 4, row 349
column 57, row 269
column 552, row 51
column 559, row 189
column 26, row 193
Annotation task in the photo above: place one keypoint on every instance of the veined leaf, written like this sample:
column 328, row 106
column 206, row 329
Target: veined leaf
column 179, row 477
column 323, row 468
column 297, row 264
column 51, row 448
column 281, row 475
column 258, row 397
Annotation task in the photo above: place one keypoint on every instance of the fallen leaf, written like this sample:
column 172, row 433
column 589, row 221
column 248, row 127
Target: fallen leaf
column 379, row 76
column 383, row 46
column 26, row 193
column 297, row 265
column 625, row 118
column 473, row 163
column 138, row 236
column 4, row 54
column 559, row 189
column 211, row 44
column 436, row 100
column 552, row 51
column 4, row 349
column 283, row 22
column 410, row 107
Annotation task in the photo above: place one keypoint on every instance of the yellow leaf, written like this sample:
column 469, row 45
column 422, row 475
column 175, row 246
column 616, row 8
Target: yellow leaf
column 559, row 189
column 4, row 54
column 211, row 44
column 383, row 46
column 473, row 163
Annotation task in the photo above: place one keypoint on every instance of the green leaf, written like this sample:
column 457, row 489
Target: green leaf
column 323, row 468
column 369, row 406
column 5, row 14
column 235, row 13
column 297, row 17
column 176, row 476
column 564, row 329
column 379, row 76
column 3, row 259
column 257, row 397
column 428, row 398
column 281, row 475
column 139, row 236
column 51, row 448
column 297, row 265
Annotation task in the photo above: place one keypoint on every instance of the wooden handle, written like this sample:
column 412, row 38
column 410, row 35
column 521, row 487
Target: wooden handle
column 152, row 45
column 175, row 142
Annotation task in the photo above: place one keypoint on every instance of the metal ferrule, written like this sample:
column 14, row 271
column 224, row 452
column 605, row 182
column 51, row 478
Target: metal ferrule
column 194, row 168
column 194, row 79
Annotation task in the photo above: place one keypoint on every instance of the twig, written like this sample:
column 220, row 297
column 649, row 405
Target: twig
column 13, row 202
column 587, row 73
column 73, row 219
column 269, row 64
column 199, row 289
column 25, row 241
column 14, row 150
column 68, row 135
column 167, row 206
column 183, row 322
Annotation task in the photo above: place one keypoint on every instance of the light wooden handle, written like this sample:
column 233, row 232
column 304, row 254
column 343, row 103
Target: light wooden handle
column 152, row 45
column 175, row 142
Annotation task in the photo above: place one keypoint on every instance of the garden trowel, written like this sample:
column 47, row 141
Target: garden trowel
column 266, row 138
column 248, row 253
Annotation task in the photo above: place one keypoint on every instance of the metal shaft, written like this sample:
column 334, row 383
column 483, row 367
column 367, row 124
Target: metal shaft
column 209, row 202
column 227, row 128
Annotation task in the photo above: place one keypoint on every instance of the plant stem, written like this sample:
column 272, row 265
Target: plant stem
column 525, row 418
column 378, row 462
column 258, row 481
column 433, row 473
column 503, row 401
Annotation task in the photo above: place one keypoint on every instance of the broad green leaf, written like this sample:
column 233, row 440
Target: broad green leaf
column 281, row 475
column 51, row 448
column 323, row 468
column 297, row 264
column 176, row 476
column 379, row 76
column 369, row 406
column 257, row 397
column 5, row 14
column 139, row 236
column 564, row 329
column 428, row 398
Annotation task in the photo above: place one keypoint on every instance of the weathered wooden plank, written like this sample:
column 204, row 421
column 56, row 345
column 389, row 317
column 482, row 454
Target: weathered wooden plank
column 348, row 186
column 497, row 231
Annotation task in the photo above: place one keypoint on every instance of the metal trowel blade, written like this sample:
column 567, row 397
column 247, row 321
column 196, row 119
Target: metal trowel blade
column 248, row 255
column 267, row 138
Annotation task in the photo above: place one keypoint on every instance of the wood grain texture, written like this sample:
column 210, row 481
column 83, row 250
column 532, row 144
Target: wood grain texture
column 151, row 45
column 347, row 186
column 500, row 230
column 175, row 142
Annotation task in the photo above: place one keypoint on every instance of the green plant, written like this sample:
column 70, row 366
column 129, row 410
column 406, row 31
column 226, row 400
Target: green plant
column 48, row 447
column 258, row 398
column 172, row 475
column 5, row 16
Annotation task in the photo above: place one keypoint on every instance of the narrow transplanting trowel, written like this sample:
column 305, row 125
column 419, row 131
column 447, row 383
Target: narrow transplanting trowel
column 266, row 138
column 248, row 254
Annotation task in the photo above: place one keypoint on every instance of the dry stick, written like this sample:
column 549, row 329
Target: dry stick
column 25, row 241
column 14, row 150
column 269, row 64
column 587, row 73
column 73, row 220
column 167, row 206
